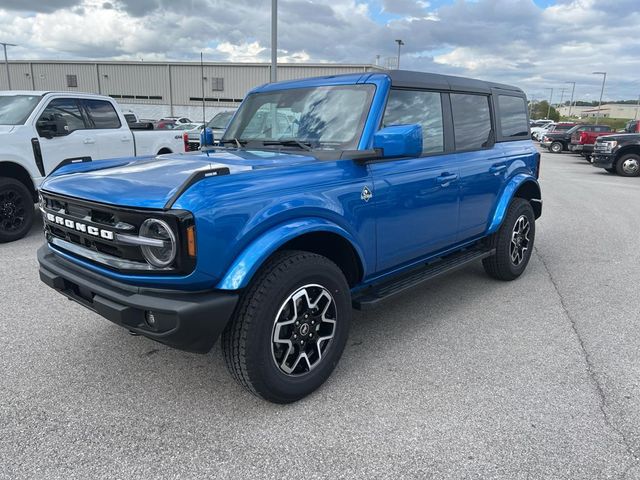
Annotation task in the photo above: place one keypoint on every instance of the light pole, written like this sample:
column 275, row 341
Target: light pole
column 550, row 98
column 274, row 41
column 573, row 89
column 604, row 79
column 400, row 44
column 6, row 62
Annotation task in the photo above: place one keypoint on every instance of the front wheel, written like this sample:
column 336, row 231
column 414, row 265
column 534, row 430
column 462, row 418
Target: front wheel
column 513, row 242
column 556, row 147
column 629, row 165
column 16, row 210
column 290, row 327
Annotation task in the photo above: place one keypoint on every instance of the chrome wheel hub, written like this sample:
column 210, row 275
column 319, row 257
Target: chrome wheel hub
column 519, row 240
column 630, row 166
column 303, row 329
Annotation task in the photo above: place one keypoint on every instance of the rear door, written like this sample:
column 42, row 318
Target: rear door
column 112, row 136
column 416, row 198
column 483, row 167
column 74, row 140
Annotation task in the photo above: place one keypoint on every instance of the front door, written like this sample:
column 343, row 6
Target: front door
column 416, row 198
column 72, row 140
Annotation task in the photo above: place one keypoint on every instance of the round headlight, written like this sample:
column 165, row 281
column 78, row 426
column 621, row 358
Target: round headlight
column 158, row 256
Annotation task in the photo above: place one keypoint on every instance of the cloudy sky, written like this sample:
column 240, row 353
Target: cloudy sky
column 530, row 43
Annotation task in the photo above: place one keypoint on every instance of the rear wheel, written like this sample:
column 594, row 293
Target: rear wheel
column 290, row 327
column 628, row 165
column 513, row 242
column 16, row 210
column 556, row 147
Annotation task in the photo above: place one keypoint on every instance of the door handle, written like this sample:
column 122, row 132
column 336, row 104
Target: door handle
column 446, row 178
column 497, row 169
column 89, row 141
column 125, row 139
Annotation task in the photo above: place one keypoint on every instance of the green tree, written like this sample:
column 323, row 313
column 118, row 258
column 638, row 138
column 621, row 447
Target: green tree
column 539, row 110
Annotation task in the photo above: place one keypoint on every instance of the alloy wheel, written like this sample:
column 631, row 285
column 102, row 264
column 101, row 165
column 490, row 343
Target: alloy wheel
column 519, row 240
column 303, row 330
column 12, row 210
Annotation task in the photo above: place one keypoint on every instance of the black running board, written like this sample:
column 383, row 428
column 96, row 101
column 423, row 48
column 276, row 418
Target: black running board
column 373, row 295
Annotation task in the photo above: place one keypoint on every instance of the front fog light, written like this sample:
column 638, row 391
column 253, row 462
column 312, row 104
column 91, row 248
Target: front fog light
column 158, row 256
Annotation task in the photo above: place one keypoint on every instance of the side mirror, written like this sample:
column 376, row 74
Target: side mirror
column 399, row 141
column 55, row 127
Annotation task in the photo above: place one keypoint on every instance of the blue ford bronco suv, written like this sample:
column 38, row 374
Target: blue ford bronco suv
column 325, row 194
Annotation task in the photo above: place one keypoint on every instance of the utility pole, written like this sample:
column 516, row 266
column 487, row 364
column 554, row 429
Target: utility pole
column 550, row 98
column 604, row 79
column 6, row 62
column 274, row 41
column 400, row 44
column 562, row 90
column 573, row 89
column 637, row 107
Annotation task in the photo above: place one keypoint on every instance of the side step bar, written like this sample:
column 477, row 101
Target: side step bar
column 373, row 295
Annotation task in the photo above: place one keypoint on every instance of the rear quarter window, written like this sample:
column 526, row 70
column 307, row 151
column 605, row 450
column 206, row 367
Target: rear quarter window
column 512, row 116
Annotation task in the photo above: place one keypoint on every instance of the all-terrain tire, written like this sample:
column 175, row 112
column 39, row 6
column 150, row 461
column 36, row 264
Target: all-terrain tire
column 252, row 354
column 16, row 210
column 502, row 265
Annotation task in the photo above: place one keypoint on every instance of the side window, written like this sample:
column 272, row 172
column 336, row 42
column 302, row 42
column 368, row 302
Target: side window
column 410, row 106
column 512, row 116
column 471, row 121
column 102, row 114
column 65, row 112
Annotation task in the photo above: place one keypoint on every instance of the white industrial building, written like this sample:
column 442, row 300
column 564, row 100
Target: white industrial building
column 607, row 110
column 157, row 89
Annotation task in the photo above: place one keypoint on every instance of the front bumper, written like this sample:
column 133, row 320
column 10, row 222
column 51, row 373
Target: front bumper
column 602, row 160
column 184, row 320
column 545, row 144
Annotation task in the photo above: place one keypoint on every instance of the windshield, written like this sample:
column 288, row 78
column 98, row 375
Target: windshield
column 573, row 129
column 15, row 109
column 220, row 121
column 327, row 117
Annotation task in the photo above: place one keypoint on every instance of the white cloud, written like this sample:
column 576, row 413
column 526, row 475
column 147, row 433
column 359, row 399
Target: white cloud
column 511, row 41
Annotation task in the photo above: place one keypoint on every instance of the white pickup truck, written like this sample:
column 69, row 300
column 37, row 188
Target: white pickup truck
column 41, row 131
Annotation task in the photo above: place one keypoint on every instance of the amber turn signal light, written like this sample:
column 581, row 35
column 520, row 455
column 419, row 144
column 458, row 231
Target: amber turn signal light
column 191, row 241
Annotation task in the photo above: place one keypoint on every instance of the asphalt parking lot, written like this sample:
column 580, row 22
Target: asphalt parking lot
column 466, row 377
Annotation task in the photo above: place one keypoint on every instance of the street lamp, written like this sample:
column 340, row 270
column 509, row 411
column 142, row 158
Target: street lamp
column 274, row 41
column 6, row 62
column 573, row 89
column 550, row 97
column 400, row 44
column 604, row 79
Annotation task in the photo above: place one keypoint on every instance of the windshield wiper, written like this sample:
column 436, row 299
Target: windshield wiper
column 239, row 143
column 290, row 143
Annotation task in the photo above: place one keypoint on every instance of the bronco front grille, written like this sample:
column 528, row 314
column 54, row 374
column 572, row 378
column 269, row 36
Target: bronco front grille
column 94, row 231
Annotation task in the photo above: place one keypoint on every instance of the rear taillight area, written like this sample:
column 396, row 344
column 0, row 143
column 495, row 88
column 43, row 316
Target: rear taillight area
column 185, row 141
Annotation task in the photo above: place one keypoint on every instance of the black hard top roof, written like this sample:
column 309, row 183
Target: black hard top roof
column 409, row 79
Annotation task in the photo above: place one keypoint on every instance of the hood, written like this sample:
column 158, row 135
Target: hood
column 150, row 182
column 6, row 128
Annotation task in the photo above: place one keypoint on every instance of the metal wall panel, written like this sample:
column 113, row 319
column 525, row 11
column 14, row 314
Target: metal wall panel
column 124, row 81
column 53, row 76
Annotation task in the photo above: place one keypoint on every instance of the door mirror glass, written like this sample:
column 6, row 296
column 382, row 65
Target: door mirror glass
column 399, row 141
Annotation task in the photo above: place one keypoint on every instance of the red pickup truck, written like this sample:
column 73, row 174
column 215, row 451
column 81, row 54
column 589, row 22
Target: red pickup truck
column 583, row 140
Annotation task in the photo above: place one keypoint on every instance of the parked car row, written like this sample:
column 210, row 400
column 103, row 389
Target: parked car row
column 603, row 147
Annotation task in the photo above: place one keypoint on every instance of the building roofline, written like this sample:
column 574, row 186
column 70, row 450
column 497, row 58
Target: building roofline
column 196, row 63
